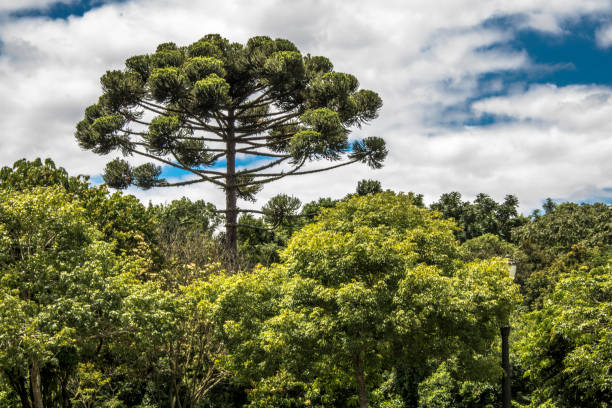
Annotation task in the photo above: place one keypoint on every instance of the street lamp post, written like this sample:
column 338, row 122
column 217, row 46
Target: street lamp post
column 505, row 349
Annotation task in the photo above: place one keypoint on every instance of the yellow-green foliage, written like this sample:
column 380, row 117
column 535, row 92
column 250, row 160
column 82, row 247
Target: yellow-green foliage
column 374, row 281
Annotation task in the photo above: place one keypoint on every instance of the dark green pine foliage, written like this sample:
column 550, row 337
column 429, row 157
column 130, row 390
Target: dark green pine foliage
column 365, row 187
column 194, row 106
column 483, row 216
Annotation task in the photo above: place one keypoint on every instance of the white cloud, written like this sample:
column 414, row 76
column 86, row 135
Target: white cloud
column 14, row 5
column 421, row 56
column 604, row 36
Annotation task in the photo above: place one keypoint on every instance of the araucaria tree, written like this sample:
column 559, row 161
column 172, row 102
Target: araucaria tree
column 202, row 107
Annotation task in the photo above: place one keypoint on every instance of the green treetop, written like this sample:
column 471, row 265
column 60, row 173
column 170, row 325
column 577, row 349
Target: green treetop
column 373, row 285
column 214, row 101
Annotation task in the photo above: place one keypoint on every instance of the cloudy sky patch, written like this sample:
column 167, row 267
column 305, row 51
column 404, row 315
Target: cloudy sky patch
column 500, row 97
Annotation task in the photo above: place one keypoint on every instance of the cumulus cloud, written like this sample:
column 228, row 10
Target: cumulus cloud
column 13, row 5
column 422, row 57
column 604, row 36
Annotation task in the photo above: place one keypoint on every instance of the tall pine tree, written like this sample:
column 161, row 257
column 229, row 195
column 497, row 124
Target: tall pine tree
column 202, row 107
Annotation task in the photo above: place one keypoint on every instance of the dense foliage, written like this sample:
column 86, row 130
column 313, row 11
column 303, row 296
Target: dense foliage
column 370, row 300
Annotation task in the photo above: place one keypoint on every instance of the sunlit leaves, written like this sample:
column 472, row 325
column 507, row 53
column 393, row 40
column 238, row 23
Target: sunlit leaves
column 566, row 345
column 375, row 278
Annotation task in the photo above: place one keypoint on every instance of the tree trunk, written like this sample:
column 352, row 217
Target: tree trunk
column 361, row 385
column 506, row 380
column 37, row 401
column 231, row 198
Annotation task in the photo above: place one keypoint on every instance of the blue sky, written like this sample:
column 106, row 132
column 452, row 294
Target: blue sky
column 497, row 97
column 61, row 10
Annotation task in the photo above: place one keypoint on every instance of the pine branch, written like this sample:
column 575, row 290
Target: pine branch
column 168, row 162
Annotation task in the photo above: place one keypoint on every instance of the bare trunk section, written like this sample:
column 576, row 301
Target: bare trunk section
column 506, row 381
column 361, row 385
column 231, row 198
column 37, row 401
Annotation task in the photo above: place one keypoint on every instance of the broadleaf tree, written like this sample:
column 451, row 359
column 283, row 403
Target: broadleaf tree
column 201, row 108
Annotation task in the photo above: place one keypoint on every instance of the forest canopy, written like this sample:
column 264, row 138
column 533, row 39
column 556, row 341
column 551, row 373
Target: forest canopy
column 370, row 300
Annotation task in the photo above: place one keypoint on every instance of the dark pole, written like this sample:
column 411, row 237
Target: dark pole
column 505, row 349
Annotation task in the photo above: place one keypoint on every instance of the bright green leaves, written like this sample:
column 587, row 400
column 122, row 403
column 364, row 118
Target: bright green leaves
column 211, row 92
column 61, row 288
column 566, row 346
column 120, row 175
column 377, row 280
column 335, row 257
column 26, row 174
column 371, row 150
column 327, row 138
column 200, row 67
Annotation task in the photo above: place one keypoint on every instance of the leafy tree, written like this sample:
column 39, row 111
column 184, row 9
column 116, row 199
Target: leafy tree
column 549, row 205
column 212, row 101
column 171, row 339
column 373, row 282
column 259, row 242
column 185, row 232
column 59, row 286
column 365, row 187
column 566, row 346
column 567, row 224
column 121, row 218
column 26, row 174
column 482, row 216
column 312, row 209
column 569, row 236
column 443, row 390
